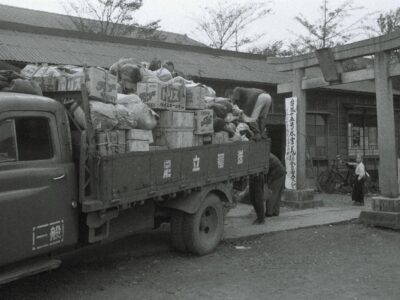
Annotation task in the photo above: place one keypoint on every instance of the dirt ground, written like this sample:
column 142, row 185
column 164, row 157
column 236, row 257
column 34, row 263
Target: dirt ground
column 347, row 261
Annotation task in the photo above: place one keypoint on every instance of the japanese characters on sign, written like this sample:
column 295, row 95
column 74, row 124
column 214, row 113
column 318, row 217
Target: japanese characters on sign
column 291, row 142
column 221, row 160
column 46, row 235
column 167, row 169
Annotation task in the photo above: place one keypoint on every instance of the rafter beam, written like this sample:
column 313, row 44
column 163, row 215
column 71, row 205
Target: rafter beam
column 362, row 48
column 347, row 77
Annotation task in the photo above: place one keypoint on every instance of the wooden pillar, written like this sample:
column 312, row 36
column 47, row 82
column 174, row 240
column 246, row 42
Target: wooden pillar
column 386, row 133
column 298, row 92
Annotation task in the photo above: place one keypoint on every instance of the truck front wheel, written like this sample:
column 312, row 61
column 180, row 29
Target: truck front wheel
column 202, row 231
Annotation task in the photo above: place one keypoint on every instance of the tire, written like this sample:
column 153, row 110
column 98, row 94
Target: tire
column 330, row 183
column 202, row 231
column 176, row 231
column 324, row 182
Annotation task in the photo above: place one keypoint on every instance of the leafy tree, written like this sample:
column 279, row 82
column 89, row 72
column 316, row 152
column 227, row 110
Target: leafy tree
column 109, row 17
column 272, row 49
column 331, row 28
column 225, row 26
column 389, row 22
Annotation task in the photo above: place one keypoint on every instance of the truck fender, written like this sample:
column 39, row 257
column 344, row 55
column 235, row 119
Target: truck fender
column 191, row 203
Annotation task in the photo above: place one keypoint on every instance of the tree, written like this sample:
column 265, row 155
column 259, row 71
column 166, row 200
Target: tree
column 331, row 29
column 109, row 17
column 225, row 26
column 272, row 49
column 389, row 21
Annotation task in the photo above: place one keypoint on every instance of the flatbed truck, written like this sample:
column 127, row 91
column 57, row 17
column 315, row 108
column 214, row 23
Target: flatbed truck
column 57, row 195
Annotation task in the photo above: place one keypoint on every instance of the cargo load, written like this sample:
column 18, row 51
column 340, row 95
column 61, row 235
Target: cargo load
column 101, row 85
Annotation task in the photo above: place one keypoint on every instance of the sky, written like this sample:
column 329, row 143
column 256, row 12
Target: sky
column 180, row 15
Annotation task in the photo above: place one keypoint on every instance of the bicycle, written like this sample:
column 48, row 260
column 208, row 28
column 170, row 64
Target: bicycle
column 334, row 181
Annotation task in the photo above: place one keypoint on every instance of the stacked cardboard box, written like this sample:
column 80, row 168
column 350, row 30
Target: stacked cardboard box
column 161, row 95
column 138, row 140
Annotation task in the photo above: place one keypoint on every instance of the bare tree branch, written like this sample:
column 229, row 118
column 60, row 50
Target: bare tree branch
column 225, row 26
column 110, row 17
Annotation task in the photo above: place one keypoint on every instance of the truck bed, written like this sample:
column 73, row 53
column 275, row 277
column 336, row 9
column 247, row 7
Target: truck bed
column 136, row 176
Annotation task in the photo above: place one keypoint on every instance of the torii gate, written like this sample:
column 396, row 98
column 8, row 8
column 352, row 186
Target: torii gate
column 385, row 208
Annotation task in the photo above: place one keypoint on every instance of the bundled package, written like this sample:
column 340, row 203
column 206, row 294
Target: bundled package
column 144, row 117
column 101, row 85
column 46, row 76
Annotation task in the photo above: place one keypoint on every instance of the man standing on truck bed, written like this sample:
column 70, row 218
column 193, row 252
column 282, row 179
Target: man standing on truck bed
column 255, row 104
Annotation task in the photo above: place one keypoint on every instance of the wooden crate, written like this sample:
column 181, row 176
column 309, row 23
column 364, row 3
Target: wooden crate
column 139, row 134
column 173, row 137
column 137, row 145
column 176, row 119
column 111, row 142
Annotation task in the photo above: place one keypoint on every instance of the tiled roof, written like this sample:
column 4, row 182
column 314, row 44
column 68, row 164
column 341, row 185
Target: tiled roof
column 59, row 21
column 66, row 47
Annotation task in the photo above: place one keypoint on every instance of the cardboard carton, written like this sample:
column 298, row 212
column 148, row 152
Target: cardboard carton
column 203, row 121
column 195, row 97
column 161, row 95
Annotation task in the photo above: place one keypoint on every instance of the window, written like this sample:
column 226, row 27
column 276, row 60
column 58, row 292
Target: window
column 316, row 135
column 25, row 139
column 362, row 135
column 8, row 143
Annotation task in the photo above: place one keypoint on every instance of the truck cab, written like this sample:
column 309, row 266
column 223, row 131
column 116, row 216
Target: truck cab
column 38, row 184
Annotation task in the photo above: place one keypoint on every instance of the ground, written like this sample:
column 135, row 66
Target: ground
column 346, row 261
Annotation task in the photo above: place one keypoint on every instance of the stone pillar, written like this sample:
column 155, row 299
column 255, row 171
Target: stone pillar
column 388, row 184
column 302, row 197
column 384, row 210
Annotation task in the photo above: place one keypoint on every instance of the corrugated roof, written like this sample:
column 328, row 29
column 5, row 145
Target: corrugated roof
column 195, row 61
column 60, row 21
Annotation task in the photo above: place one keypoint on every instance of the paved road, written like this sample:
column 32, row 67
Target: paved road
column 347, row 261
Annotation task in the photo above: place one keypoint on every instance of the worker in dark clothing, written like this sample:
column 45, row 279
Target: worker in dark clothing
column 255, row 104
column 275, row 181
column 256, row 195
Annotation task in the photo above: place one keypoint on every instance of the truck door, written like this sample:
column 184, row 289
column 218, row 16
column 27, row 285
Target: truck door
column 37, row 187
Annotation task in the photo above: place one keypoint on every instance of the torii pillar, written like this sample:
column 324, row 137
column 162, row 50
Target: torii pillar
column 302, row 196
column 384, row 210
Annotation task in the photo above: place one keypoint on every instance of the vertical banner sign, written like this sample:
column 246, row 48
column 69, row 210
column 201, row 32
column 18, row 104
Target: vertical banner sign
column 291, row 143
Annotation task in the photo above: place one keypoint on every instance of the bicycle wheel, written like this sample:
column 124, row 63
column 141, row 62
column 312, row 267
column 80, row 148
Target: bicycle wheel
column 325, row 182
column 330, row 182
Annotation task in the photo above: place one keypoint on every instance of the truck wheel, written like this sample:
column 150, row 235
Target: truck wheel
column 202, row 230
column 176, row 231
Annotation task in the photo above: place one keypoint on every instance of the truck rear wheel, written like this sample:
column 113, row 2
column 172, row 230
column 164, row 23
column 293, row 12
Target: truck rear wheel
column 176, row 233
column 202, row 231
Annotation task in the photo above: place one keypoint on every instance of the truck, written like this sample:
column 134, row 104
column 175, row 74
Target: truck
column 58, row 195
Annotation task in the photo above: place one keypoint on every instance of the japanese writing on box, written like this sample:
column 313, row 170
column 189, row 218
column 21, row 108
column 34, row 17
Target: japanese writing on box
column 291, row 142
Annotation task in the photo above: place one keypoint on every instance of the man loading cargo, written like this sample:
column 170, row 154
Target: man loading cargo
column 255, row 104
